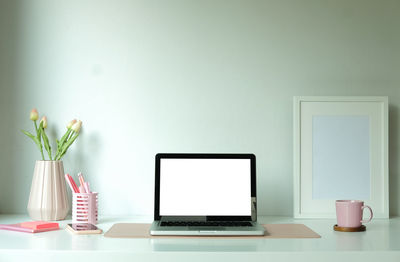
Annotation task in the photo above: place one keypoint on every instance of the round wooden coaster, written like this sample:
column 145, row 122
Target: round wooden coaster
column 349, row 229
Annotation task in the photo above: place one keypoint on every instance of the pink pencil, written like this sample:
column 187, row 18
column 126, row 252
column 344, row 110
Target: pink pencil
column 73, row 185
column 87, row 187
column 69, row 182
column 80, row 177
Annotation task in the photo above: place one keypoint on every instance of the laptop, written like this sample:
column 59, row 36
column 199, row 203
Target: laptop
column 205, row 194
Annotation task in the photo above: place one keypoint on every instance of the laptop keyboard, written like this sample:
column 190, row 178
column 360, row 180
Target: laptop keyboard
column 206, row 224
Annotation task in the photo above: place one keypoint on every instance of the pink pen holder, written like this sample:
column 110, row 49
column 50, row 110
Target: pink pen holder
column 84, row 208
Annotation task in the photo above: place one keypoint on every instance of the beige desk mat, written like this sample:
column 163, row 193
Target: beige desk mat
column 133, row 230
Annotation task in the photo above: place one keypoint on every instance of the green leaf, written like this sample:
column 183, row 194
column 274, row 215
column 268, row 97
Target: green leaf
column 38, row 139
column 34, row 138
column 61, row 143
column 28, row 134
column 46, row 142
column 65, row 137
column 66, row 146
column 39, row 132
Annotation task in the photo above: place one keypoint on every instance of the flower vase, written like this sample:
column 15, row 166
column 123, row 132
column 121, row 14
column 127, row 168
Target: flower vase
column 48, row 199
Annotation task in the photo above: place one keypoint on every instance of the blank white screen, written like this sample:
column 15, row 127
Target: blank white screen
column 205, row 187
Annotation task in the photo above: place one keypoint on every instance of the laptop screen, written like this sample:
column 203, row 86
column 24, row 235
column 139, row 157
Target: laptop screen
column 205, row 186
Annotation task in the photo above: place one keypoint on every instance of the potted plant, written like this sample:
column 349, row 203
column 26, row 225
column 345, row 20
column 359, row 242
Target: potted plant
column 48, row 199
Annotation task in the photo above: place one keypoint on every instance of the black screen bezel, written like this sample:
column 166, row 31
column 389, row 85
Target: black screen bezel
column 252, row 158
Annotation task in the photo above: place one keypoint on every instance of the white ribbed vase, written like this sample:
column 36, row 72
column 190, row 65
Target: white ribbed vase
column 48, row 199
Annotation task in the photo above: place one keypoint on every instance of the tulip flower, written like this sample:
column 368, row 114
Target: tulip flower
column 41, row 140
column 34, row 115
column 44, row 120
column 77, row 126
column 71, row 123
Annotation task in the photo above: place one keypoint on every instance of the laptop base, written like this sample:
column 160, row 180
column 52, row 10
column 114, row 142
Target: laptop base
column 157, row 230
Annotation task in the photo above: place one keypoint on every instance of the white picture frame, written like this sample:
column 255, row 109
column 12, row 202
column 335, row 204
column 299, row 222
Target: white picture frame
column 340, row 152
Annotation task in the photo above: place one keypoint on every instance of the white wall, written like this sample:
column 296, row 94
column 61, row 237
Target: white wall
column 8, row 180
column 188, row 76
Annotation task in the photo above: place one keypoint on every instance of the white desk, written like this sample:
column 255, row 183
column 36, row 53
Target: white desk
column 381, row 242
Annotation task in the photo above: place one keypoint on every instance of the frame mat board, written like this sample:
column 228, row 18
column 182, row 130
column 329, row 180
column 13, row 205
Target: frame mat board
column 134, row 230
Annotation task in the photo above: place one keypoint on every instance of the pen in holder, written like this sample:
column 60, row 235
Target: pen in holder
column 84, row 208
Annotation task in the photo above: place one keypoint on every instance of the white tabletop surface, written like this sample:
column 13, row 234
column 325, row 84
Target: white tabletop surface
column 381, row 242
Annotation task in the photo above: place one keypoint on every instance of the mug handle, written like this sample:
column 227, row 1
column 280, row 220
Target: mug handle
column 370, row 210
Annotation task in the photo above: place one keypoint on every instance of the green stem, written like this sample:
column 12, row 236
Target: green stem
column 68, row 144
column 45, row 141
column 60, row 144
column 40, row 139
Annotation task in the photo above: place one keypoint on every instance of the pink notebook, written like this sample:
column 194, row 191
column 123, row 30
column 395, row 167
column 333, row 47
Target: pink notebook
column 39, row 224
column 28, row 228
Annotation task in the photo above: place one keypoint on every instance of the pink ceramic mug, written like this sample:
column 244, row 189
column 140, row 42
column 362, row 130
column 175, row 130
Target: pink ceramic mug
column 350, row 212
